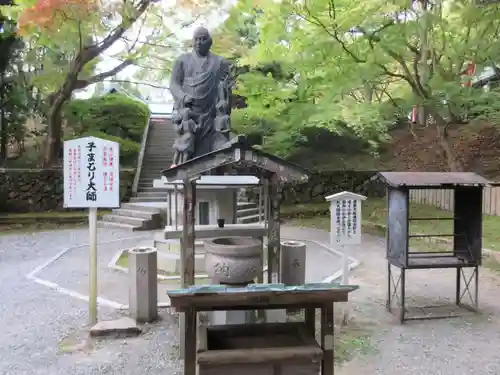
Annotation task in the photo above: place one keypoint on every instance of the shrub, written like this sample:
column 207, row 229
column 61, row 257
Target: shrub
column 129, row 150
column 113, row 114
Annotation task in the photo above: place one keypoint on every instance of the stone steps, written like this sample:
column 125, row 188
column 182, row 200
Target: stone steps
column 148, row 199
column 241, row 212
column 244, row 205
column 136, row 217
column 248, row 219
column 137, row 222
column 135, row 213
column 110, row 224
column 139, row 207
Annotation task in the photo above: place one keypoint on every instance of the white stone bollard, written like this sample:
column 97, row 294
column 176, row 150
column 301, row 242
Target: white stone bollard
column 143, row 284
column 293, row 264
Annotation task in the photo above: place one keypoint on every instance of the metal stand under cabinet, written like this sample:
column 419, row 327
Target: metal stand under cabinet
column 464, row 237
column 264, row 349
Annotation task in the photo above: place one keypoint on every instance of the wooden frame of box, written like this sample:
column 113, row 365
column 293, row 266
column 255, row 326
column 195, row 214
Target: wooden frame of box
column 266, row 349
column 195, row 299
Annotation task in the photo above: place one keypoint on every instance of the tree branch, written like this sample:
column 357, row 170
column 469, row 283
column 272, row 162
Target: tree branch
column 95, row 50
column 82, row 83
column 137, row 83
column 407, row 76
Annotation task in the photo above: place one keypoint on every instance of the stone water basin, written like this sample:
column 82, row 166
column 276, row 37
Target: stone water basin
column 233, row 260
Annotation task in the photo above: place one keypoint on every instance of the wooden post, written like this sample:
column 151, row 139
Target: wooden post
column 187, row 263
column 327, row 339
column 273, row 236
column 188, row 235
column 191, row 327
column 310, row 320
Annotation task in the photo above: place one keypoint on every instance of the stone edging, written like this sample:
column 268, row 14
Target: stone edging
column 353, row 263
column 488, row 252
column 112, row 264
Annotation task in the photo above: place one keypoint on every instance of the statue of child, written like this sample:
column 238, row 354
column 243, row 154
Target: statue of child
column 185, row 127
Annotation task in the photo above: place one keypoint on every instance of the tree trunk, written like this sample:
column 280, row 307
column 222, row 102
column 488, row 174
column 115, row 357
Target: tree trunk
column 53, row 146
column 444, row 140
column 445, row 143
column 3, row 127
column 54, row 131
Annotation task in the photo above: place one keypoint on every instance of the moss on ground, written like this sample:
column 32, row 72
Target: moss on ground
column 14, row 223
column 374, row 213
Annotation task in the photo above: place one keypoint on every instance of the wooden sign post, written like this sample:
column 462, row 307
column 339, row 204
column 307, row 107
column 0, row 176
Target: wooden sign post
column 92, row 180
column 345, row 228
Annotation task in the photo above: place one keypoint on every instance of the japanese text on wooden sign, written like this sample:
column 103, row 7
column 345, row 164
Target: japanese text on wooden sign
column 91, row 173
column 345, row 211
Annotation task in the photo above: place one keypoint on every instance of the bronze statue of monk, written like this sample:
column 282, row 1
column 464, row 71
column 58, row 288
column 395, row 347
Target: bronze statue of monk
column 201, row 90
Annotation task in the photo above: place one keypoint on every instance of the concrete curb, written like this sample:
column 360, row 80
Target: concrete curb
column 353, row 263
column 74, row 294
column 112, row 264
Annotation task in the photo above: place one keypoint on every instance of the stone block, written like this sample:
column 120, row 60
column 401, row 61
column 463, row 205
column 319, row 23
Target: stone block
column 143, row 284
column 121, row 327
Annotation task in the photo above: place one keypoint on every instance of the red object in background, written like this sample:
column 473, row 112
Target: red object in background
column 414, row 114
column 469, row 72
column 46, row 14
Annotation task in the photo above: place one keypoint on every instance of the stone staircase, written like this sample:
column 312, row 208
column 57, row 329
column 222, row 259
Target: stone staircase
column 140, row 213
column 247, row 212
column 143, row 212
column 133, row 216
column 158, row 155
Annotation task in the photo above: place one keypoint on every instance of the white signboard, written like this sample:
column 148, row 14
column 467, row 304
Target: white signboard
column 91, row 173
column 345, row 211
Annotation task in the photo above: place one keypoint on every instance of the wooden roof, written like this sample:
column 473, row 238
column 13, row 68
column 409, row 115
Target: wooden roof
column 431, row 179
column 239, row 156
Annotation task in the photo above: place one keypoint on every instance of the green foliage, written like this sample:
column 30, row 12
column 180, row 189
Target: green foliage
column 114, row 117
column 359, row 67
column 113, row 114
column 129, row 150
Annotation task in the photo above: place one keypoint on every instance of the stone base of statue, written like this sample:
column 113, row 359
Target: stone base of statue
column 234, row 262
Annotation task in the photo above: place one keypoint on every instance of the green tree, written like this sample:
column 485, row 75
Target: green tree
column 10, row 99
column 353, row 63
column 114, row 114
column 74, row 54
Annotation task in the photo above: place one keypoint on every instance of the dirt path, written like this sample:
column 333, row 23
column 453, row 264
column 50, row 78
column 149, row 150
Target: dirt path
column 455, row 346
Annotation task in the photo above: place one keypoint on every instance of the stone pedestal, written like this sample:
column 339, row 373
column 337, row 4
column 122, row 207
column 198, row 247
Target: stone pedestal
column 233, row 317
column 143, row 284
column 293, row 262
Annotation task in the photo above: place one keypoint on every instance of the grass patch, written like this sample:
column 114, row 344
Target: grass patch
column 350, row 340
column 29, row 222
column 374, row 213
column 175, row 284
column 9, row 229
column 122, row 261
column 18, row 223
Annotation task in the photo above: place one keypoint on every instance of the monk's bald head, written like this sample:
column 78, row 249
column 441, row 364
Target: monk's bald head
column 202, row 41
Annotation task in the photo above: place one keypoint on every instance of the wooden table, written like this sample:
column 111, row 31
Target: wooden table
column 268, row 296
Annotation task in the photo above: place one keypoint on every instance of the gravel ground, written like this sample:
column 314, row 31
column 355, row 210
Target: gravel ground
column 34, row 319
column 38, row 324
column 456, row 346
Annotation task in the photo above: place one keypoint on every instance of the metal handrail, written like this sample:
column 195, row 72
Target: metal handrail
column 140, row 158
